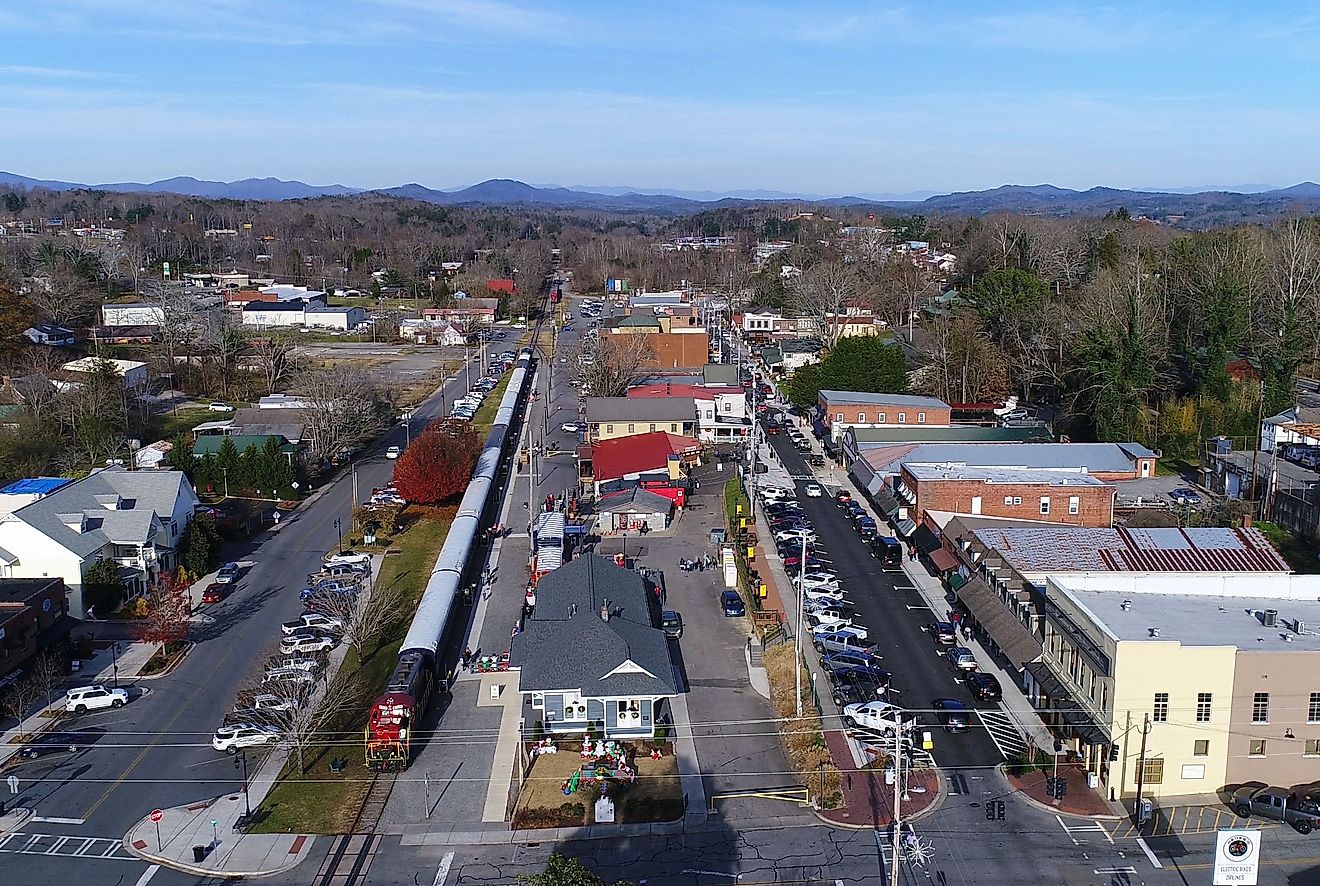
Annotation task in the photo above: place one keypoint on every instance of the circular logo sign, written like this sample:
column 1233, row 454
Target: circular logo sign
column 1238, row 847
column 45, row 605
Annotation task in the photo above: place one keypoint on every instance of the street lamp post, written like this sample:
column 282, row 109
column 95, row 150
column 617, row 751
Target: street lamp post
column 114, row 661
column 247, row 806
column 340, row 533
column 226, row 473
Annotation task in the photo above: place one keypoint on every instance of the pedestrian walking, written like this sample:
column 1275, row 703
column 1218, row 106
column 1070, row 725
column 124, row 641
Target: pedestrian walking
column 467, row 657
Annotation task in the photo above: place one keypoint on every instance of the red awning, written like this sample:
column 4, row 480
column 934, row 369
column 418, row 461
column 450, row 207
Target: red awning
column 943, row 561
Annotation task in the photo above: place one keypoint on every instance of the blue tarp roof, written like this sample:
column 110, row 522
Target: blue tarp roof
column 36, row 486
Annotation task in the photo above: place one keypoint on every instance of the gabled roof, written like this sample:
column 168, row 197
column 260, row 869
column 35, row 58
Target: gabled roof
column 643, row 409
column 1080, row 549
column 635, row 499
column 566, row 644
column 143, row 496
column 638, row 454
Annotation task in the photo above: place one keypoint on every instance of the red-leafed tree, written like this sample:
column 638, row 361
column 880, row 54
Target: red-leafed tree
column 168, row 608
column 438, row 463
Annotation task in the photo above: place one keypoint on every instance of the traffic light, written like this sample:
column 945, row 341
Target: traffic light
column 1060, row 788
column 1113, row 753
column 990, row 810
column 999, row 810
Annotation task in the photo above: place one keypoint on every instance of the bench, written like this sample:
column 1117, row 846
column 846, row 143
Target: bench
column 338, row 764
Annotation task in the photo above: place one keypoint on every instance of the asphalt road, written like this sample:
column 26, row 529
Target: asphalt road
column 156, row 751
column 894, row 613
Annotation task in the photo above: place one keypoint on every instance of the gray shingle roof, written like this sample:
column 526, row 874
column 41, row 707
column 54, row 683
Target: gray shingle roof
column 645, row 409
column 635, row 498
column 567, row 645
column 1095, row 457
column 1083, row 549
column 143, row 495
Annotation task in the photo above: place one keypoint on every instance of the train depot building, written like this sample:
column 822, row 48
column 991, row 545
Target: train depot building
column 589, row 654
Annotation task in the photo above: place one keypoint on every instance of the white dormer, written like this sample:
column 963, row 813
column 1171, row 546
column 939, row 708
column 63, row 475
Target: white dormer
column 110, row 502
column 75, row 522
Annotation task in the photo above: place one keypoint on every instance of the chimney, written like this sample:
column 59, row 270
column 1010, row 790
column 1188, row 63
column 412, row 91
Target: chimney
column 1125, row 605
column 605, row 611
column 1154, row 632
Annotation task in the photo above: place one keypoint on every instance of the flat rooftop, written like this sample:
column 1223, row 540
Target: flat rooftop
column 994, row 475
column 1197, row 620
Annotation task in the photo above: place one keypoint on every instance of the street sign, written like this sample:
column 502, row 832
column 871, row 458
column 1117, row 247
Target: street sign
column 157, row 814
column 1237, row 857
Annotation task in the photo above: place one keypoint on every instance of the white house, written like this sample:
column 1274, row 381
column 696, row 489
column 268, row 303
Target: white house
column 428, row 329
column 135, row 518
column 133, row 372
column 133, row 314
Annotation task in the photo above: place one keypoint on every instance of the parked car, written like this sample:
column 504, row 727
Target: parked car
column 875, row 716
column 214, row 593
column 228, row 573
column 794, row 564
column 953, row 715
column 833, row 619
column 851, row 688
column 671, row 623
column 842, row 497
column 984, row 686
column 232, row 739
column 393, row 452
column 888, row 551
column 812, row 579
column 817, row 461
column 1185, row 495
column 856, row 658
column 46, row 743
column 217, row 406
column 348, row 557
column 732, row 605
column 813, row 490
column 943, row 633
column 961, row 658
column 826, row 594
column 573, row 427
column 304, row 640
column 1280, row 805
column 315, row 621
column 288, row 674
column 82, row 699
column 841, row 640
column 339, row 570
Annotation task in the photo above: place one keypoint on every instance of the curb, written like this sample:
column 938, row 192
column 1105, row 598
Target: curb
column 170, row 670
column 20, row 814
column 1046, row 807
column 189, row 868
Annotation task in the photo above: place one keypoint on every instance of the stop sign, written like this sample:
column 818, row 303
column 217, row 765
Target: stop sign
column 157, row 814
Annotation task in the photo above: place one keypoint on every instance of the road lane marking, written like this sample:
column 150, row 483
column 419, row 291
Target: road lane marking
column 443, row 873
column 147, row 875
column 1149, row 854
column 41, row 819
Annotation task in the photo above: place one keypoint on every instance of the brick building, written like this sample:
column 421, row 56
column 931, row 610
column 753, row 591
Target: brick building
column 1076, row 499
column 841, row 410
column 33, row 617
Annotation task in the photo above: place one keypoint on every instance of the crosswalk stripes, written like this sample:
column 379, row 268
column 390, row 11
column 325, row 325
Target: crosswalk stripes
column 65, row 846
column 1003, row 732
column 1082, row 832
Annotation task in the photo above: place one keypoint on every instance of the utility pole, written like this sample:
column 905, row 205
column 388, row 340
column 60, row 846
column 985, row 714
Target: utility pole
column 1141, row 763
column 896, row 839
column 1255, row 450
column 801, row 607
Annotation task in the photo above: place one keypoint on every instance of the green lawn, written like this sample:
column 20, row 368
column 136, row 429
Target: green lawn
column 1175, row 467
column 321, row 801
column 485, row 416
column 1300, row 554
column 169, row 425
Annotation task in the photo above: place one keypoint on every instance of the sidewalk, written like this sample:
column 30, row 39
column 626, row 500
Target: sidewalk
column 208, row 826
column 868, row 798
column 1079, row 800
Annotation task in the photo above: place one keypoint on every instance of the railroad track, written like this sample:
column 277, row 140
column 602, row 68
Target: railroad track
column 373, row 804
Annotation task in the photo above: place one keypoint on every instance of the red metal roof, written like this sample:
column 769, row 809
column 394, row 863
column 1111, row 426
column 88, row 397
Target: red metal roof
column 613, row 459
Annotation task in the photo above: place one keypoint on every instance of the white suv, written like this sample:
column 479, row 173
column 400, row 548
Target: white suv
column 232, row 739
column 90, row 698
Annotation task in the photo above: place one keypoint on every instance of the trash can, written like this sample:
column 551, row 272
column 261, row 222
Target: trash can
column 1093, row 780
column 199, row 853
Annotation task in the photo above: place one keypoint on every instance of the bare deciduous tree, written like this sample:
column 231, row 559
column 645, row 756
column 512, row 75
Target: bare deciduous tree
column 615, row 363
column 19, row 698
column 345, row 406
column 363, row 617
column 824, row 291
column 275, row 354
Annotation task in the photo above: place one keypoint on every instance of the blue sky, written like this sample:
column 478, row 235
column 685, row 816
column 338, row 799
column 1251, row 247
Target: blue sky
column 815, row 97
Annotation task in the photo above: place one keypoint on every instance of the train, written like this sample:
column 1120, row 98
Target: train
column 390, row 722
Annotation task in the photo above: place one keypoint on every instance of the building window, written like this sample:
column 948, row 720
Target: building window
column 609, row 429
column 673, row 428
column 1313, row 747
column 838, row 417
column 1044, row 504
column 1203, row 700
column 1313, row 712
column 1257, row 748
column 1151, row 771
column 653, row 425
column 880, row 418
column 1161, row 713
column 861, row 418
column 902, row 418
column 1201, row 747
column 921, row 418
column 1017, row 500
column 1260, row 707
column 1074, row 504
column 631, row 428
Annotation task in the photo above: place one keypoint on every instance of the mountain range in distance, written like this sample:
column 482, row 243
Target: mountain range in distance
column 1192, row 208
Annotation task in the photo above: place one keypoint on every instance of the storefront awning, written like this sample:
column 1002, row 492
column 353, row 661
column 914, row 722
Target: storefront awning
column 885, row 502
column 943, row 561
column 1010, row 634
column 1062, row 701
column 925, row 540
column 904, row 528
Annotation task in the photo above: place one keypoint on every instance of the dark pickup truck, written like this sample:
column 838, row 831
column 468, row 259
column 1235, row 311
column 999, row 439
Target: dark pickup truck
column 1301, row 812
